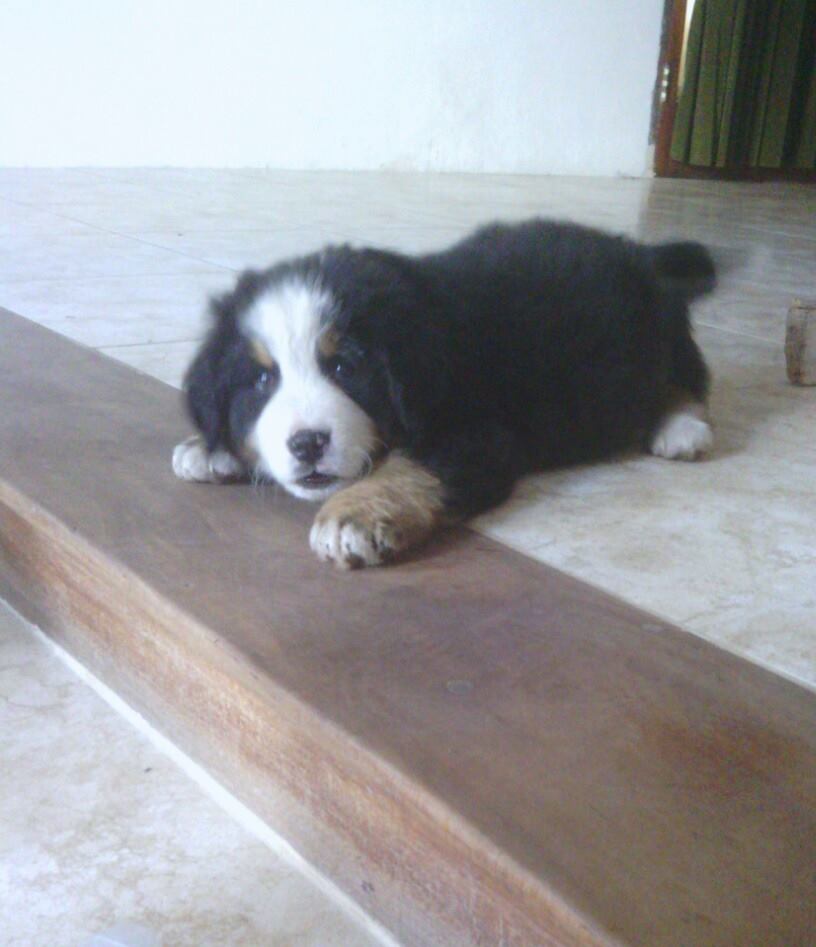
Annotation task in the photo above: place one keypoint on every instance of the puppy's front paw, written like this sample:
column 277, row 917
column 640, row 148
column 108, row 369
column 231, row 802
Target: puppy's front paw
column 192, row 461
column 353, row 537
column 372, row 521
column 682, row 436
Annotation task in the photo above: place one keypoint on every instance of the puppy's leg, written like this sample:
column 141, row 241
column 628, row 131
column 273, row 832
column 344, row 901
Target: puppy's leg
column 407, row 497
column 192, row 461
column 683, row 432
column 375, row 519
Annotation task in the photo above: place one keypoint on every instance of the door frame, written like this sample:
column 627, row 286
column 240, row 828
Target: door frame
column 664, row 109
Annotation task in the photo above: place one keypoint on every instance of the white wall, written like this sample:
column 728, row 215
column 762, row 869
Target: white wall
column 550, row 86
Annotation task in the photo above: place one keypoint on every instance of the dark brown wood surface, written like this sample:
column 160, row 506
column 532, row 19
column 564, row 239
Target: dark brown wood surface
column 479, row 749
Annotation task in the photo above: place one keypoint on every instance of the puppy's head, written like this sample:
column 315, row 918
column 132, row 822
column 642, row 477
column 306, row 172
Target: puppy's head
column 294, row 377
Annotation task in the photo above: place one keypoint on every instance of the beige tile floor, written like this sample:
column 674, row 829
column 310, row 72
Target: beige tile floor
column 99, row 829
column 122, row 260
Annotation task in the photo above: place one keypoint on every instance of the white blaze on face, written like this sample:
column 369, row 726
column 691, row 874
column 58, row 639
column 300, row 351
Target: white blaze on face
column 288, row 320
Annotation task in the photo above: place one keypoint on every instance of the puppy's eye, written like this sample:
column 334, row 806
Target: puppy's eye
column 266, row 379
column 340, row 368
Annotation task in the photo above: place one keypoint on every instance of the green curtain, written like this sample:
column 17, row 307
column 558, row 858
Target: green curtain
column 749, row 92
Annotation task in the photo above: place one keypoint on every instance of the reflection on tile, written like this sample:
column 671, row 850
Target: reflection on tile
column 243, row 249
column 154, row 200
column 750, row 390
column 750, row 311
column 22, row 220
column 74, row 255
column 464, row 199
column 166, row 361
column 119, row 310
column 685, row 540
column 260, row 248
column 100, row 828
column 54, row 186
column 161, row 211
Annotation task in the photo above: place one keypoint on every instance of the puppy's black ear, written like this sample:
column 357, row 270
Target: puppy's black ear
column 207, row 382
column 406, row 406
column 418, row 383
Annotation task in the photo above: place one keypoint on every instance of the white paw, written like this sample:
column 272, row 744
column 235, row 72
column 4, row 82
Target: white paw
column 352, row 542
column 192, row 461
column 682, row 436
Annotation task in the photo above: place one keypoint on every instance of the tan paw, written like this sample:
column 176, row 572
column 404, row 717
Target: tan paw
column 378, row 518
column 353, row 538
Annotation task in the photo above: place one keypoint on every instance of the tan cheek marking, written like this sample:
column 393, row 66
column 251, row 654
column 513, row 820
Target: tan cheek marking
column 328, row 342
column 396, row 507
column 248, row 450
column 260, row 353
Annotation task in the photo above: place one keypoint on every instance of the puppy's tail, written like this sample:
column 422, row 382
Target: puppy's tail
column 686, row 268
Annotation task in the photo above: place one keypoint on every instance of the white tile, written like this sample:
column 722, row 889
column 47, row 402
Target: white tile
column 158, row 210
column 22, row 220
column 130, row 201
column 686, row 541
column 751, row 311
column 198, row 183
column 110, row 311
column 750, row 390
column 165, row 178
column 776, row 630
column 241, row 249
column 167, row 361
column 55, row 186
column 83, row 253
column 260, row 248
column 99, row 828
column 757, row 302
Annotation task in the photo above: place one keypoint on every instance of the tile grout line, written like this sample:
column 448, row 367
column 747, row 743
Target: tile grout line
column 534, row 553
column 5, row 281
column 116, row 233
column 745, row 335
column 131, row 345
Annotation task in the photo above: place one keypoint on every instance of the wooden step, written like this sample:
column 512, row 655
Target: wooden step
column 479, row 749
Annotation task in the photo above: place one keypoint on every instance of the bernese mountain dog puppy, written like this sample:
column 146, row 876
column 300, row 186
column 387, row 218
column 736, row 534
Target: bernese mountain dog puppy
column 407, row 393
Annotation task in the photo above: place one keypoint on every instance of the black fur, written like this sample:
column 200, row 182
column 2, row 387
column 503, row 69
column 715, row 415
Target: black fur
column 520, row 348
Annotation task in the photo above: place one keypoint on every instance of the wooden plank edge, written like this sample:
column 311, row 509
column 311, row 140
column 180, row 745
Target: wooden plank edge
column 407, row 859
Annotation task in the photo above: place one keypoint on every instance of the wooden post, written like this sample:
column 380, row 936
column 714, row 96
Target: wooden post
column 800, row 343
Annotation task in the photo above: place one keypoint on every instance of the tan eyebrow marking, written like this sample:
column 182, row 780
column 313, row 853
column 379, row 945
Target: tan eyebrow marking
column 328, row 342
column 261, row 353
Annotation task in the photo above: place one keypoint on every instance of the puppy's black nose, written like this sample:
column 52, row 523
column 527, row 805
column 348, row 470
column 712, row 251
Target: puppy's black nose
column 308, row 446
